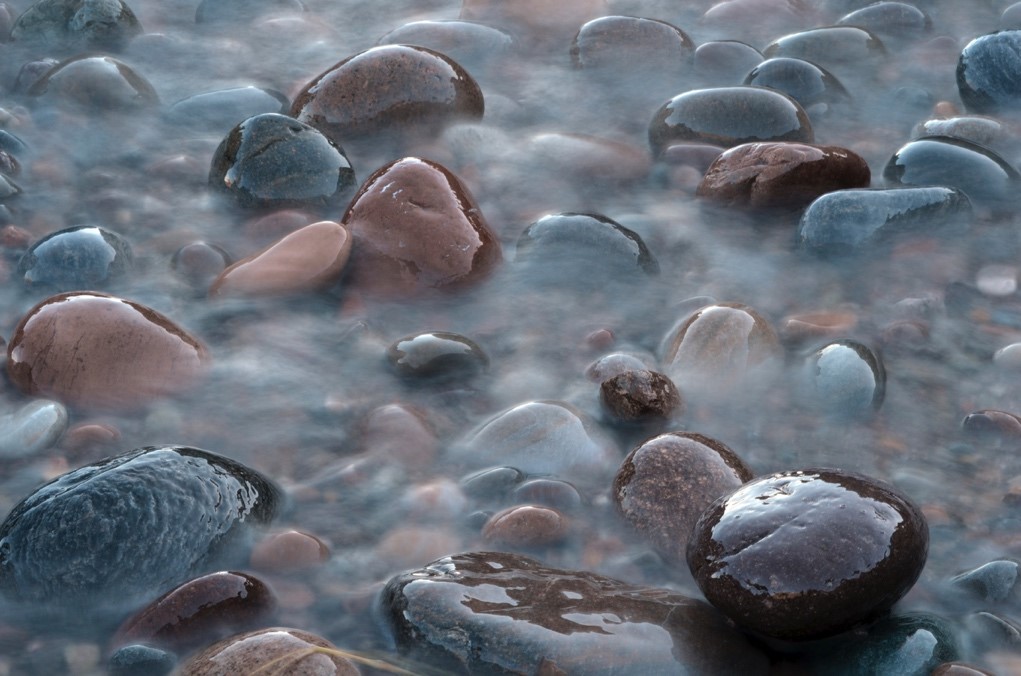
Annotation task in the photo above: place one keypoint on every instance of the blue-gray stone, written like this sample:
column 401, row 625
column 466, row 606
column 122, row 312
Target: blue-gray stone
column 140, row 660
column 76, row 258
column 905, row 645
column 222, row 109
column 831, row 47
column 991, row 582
column 890, row 20
column 989, row 72
column 803, row 81
column 846, row 221
column 31, row 429
column 844, row 378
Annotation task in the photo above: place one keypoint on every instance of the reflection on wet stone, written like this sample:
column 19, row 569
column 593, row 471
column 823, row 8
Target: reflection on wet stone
column 835, row 48
column 80, row 257
column 223, row 109
column 803, row 81
column 844, row 378
column 479, row 612
column 437, row 355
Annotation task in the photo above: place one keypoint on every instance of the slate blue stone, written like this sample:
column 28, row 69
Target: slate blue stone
column 223, row 109
column 140, row 660
column 844, row 378
column 847, row 221
column 76, row 258
column 989, row 73
column 832, row 47
column 802, row 80
column 984, row 176
column 904, row 645
column 103, row 539
column 991, row 582
column 32, row 429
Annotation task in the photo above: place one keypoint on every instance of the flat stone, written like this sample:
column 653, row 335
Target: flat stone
column 96, row 351
column 487, row 612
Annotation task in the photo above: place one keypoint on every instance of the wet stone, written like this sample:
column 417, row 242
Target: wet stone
column 483, row 612
column 526, row 527
column 831, row 47
column 309, row 259
column 101, row 352
column 475, row 46
column 844, row 378
column 32, row 429
column 75, row 25
column 849, row 221
column 989, row 72
column 987, row 179
column 264, row 650
column 416, row 226
column 288, row 552
column 98, row 83
column 199, row 612
column 216, row 12
column 275, row 161
column 639, row 396
column 626, row 44
column 390, row 88
column 437, row 356
column 807, row 554
column 985, row 131
column 909, row 645
column 561, row 495
column 724, row 62
column 663, row 486
column 616, row 363
column 158, row 517
column 493, row 483
column 223, row 109
column 729, row 116
column 80, row 257
column 781, row 175
column 1011, row 17
column 805, row 82
column 891, row 21
column 140, row 660
column 993, row 582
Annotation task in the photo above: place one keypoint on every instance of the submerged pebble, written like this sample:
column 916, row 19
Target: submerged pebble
column 80, row 257
column 31, row 429
column 270, row 649
column 988, row 72
column 77, row 24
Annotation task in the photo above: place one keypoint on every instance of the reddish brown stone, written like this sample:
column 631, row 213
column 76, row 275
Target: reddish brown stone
column 664, row 485
column 397, row 433
column 526, row 526
column 640, row 395
column 275, row 650
column 199, row 611
column 416, row 226
column 389, row 88
column 991, row 423
column 781, row 174
column 305, row 260
column 288, row 552
column 101, row 352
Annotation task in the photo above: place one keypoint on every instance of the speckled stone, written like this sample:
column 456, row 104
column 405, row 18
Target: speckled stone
column 807, row 554
column 79, row 257
column 988, row 72
column 637, row 396
column 664, row 484
column 269, row 650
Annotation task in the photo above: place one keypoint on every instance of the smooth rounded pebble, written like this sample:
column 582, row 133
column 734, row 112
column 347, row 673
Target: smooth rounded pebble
column 272, row 650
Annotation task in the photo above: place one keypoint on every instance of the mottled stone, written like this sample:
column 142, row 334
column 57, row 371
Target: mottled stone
column 851, row 221
column 272, row 650
column 416, row 226
column 788, row 175
column 803, row 81
column 437, row 355
column 155, row 518
column 390, row 88
column 526, row 526
column 308, row 259
column 987, row 179
column 223, row 109
column 844, row 378
column 807, row 554
column 895, row 21
column 832, row 47
column 76, row 25
column 627, row 44
column 274, row 161
column 989, row 73
column 729, row 116
column 664, row 484
column 199, row 612
column 640, row 396
column 95, row 83
column 80, row 257
column 101, row 352
column 31, row 429
column 484, row 612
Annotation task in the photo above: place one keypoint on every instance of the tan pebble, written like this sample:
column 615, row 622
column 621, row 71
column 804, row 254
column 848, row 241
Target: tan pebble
column 288, row 552
column 90, row 435
column 526, row 526
column 407, row 547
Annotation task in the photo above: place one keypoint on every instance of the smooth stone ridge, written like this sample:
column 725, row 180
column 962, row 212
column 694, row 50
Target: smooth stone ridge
column 98, row 83
column 807, row 554
column 831, row 47
column 494, row 612
column 157, row 516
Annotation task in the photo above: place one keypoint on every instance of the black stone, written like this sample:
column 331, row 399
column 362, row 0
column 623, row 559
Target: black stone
column 77, row 258
column 807, row 554
column 803, row 81
column 275, row 161
column 437, row 356
column 989, row 73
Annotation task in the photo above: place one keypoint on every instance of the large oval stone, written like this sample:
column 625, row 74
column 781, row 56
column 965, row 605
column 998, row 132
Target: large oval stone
column 663, row 486
column 807, row 554
column 504, row 613
column 101, row 352
column 729, row 116
column 989, row 72
column 780, row 174
column 103, row 538
column 416, row 226
column 389, row 88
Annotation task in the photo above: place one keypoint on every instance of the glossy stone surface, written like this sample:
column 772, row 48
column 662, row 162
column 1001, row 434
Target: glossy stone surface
column 909, row 645
column 98, row 83
column 31, row 429
column 639, row 396
column 807, row 554
column 844, row 378
column 663, row 486
column 724, row 62
column 984, row 176
column 416, row 226
column 198, row 612
column 474, row 46
column 274, row 161
column 802, row 80
column 157, row 516
column 437, row 355
column 223, row 109
column 80, row 257
column 729, row 116
column 493, row 612
column 788, row 175
column 611, row 42
column 848, row 221
column 101, row 352
column 992, row 424
column 561, row 248
column 890, row 20
column 390, row 88
column 266, row 651
column 989, row 73
column 309, row 259
column 77, row 25
column 832, row 47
